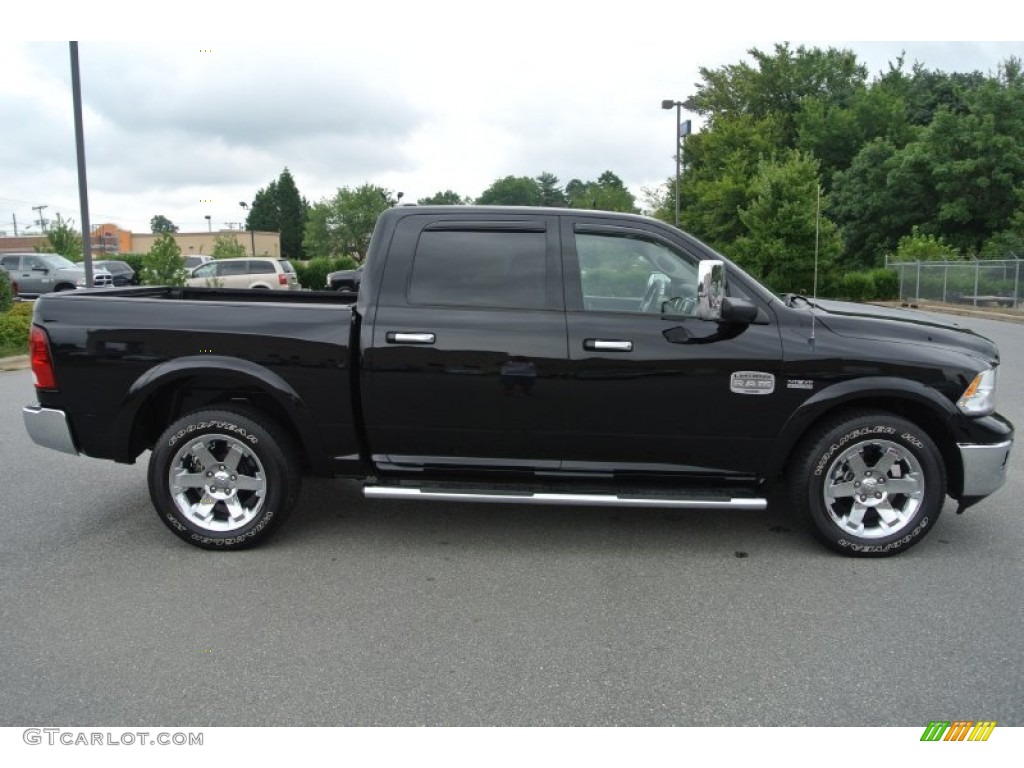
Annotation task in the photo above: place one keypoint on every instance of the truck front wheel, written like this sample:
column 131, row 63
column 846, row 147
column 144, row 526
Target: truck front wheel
column 221, row 480
column 873, row 483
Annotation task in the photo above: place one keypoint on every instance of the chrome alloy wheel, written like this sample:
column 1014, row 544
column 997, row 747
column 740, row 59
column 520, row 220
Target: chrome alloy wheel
column 873, row 489
column 217, row 483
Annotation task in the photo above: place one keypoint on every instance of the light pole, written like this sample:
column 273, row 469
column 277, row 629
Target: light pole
column 252, row 234
column 682, row 131
column 209, row 224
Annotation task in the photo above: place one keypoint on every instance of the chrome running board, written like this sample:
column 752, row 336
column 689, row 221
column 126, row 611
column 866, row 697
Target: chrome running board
column 560, row 499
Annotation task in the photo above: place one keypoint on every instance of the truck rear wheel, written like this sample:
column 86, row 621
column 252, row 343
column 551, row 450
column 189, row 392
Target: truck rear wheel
column 221, row 480
column 873, row 483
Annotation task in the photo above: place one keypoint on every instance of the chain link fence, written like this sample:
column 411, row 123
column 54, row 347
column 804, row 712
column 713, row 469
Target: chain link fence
column 989, row 282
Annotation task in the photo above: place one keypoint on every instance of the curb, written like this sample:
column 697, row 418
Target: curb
column 16, row 363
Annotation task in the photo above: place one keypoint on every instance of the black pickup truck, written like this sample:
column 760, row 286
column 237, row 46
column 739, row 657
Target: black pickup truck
column 529, row 356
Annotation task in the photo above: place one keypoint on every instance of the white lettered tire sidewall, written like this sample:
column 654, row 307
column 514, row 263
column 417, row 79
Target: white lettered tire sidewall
column 258, row 441
column 841, row 477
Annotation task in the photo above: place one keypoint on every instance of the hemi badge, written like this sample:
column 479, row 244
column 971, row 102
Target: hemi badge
column 799, row 384
column 752, row 383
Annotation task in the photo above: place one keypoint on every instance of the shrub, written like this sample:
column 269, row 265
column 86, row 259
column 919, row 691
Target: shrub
column 887, row 284
column 6, row 294
column 163, row 264
column 856, row 286
column 14, row 331
column 22, row 309
column 133, row 260
column 313, row 274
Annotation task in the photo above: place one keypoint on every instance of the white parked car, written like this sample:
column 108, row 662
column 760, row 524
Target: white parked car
column 263, row 274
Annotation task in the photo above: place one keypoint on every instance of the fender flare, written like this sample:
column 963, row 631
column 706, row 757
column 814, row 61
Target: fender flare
column 851, row 392
column 247, row 374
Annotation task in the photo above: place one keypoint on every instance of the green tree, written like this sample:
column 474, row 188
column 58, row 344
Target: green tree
column 918, row 246
column 444, row 198
column 608, row 193
column 163, row 264
column 512, row 190
column 64, row 239
column 781, row 223
column 227, row 247
column 342, row 225
column 161, row 224
column 279, row 207
column 551, row 195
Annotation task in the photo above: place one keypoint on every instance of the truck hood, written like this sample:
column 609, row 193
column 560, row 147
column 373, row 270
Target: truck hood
column 907, row 326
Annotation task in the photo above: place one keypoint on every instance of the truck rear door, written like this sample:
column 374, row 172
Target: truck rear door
column 467, row 345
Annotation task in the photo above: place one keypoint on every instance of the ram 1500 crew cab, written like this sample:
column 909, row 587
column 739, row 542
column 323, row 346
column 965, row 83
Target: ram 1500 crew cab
column 528, row 356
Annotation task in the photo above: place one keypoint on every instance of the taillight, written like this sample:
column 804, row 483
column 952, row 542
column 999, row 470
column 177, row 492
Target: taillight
column 42, row 363
column 282, row 278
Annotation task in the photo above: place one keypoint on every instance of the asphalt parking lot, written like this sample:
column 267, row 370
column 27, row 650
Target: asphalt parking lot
column 381, row 613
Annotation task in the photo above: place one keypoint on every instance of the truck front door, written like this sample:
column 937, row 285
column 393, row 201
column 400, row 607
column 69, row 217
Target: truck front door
column 657, row 390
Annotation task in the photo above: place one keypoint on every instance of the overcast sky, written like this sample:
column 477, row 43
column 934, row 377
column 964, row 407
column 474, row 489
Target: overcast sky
column 416, row 97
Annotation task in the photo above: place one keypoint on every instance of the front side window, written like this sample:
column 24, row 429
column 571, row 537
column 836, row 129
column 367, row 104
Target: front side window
column 207, row 270
column 633, row 274
column 480, row 269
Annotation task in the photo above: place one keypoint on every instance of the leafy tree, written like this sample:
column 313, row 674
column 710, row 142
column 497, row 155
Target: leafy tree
column 64, row 239
column 342, row 225
column 163, row 264
column 781, row 223
column 921, row 247
column 444, row 198
column 608, row 193
column 227, row 247
column 551, row 195
column 512, row 190
column 778, row 83
column 161, row 224
column 279, row 207
column 1009, row 242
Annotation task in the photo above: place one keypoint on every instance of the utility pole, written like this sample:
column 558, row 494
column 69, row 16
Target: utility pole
column 14, row 218
column 39, row 209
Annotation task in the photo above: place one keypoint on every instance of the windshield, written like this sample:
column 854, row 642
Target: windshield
column 56, row 261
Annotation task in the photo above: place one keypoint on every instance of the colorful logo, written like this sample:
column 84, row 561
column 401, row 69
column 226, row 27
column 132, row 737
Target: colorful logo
column 958, row 730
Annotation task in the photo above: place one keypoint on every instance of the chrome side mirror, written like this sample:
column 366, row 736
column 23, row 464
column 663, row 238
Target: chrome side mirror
column 710, row 289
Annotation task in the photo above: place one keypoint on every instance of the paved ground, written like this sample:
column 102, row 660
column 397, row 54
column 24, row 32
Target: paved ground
column 365, row 613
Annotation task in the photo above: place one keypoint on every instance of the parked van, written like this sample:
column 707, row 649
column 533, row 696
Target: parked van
column 262, row 274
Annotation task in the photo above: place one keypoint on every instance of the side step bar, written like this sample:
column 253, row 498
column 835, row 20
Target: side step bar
column 560, row 499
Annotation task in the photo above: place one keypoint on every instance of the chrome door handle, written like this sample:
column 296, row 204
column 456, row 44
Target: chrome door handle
column 398, row 337
column 608, row 345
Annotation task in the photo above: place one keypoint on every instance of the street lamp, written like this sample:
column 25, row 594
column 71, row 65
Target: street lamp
column 209, row 224
column 252, row 234
column 682, row 131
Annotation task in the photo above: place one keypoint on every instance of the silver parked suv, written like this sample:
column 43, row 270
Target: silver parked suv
column 33, row 274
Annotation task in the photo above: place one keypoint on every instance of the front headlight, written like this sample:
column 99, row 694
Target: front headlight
column 979, row 399
column 80, row 282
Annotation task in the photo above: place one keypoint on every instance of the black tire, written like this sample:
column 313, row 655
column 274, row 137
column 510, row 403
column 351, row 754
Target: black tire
column 234, row 488
column 844, row 475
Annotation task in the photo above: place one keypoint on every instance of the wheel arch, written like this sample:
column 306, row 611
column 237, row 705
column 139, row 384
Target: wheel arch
column 169, row 390
column 915, row 402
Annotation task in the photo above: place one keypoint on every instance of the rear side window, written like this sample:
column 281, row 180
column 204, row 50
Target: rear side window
column 480, row 269
column 10, row 262
column 286, row 265
column 227, row 268
column 261, row 268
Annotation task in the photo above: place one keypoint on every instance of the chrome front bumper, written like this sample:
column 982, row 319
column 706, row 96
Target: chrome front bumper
column 49, row 428
column 984, row 467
